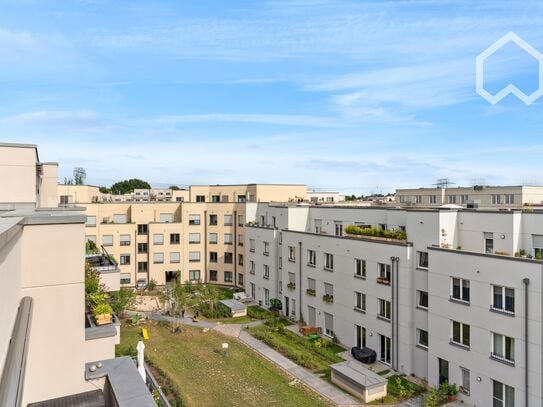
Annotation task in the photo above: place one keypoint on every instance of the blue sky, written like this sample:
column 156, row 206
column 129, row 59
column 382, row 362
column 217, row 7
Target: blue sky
column 356, row 96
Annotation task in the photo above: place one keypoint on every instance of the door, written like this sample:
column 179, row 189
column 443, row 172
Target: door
column 443, row 371
column 311, row 316
column 360, row 336
column 293, row 307
column 287, row 307
column 384, row 349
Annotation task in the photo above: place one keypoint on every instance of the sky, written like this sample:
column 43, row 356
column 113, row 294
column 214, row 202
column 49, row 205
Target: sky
column 353, row 96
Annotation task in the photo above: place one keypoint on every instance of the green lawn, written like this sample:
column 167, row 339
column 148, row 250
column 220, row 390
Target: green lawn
column 398, row 389
column 299, row 349
column 194, row 363
column 254, row 312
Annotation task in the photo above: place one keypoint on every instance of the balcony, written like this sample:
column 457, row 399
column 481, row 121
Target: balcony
column 93, row 331
column 107, row 267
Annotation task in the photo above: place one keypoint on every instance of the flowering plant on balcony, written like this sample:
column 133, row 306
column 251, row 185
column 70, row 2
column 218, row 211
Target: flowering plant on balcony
column 328, row 298
column 311, row 291
column 372, row 231
column 291, row 286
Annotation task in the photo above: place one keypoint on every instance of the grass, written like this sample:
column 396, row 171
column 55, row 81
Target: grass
column 195, row 366
column 299, row 349
column 398, row 389
column 254, row 312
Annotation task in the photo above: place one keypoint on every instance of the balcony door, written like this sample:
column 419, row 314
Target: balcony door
column 385, row 347
column 443, row 371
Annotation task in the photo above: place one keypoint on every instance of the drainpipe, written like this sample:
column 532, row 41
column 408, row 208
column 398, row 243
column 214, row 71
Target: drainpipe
column 526, row 282
column 300, row 286
column 235, row 241
column 394, row 309
column 206, row 252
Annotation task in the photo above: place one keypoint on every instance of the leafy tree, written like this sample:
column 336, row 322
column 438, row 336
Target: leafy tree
column 128, row 186
column 210, row 295
column 175, row 188
column 121, row 300
column 104, row 190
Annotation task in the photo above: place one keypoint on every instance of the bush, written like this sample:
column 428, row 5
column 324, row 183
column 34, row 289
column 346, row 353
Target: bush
column 254, row 311
column 276, row 304
column 92, row 280
column 218, row 310
column 101, row 309
column 151, row 285
column 376, row 232
column 122, row 300
column 431, row 399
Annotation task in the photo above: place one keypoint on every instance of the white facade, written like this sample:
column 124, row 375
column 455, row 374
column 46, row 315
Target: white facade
column 399, row 297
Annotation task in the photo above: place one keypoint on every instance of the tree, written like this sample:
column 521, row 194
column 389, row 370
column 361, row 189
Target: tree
column 175, row 188
column 104, row 190
column 80, row 175
column 178, row 297
column 128, row 186
column 121, row 300
column 210, row 295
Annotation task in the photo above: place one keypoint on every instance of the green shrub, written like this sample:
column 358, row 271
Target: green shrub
column 92, row 280
column 431, row 399
column 215, row 311
column 376, row 232
column 151, row 285
column 122, row 300
column 276, row 304
column 254, row 311
column 101, row 309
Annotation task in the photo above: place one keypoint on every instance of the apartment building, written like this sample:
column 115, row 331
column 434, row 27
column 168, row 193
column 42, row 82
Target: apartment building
column 46, row 345
column 478, row 196
column 198, row 238
column 458, row 301
column 325, row 197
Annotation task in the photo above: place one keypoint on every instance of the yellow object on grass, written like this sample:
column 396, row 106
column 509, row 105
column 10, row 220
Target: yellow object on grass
column 144, row 333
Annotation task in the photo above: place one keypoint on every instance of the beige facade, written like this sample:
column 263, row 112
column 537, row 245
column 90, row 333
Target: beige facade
column 476, row 196
column 76, row 194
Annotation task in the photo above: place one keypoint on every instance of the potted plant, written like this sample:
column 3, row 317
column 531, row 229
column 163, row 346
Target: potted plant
column 291, row 285
column 311, row 291
column 102, row 313
column 453, row 391
column 328, row 299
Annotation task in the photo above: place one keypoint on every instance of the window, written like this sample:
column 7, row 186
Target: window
column 194, row 275
column 452, row 199
column 432, row 199
column 213, row 275
column 422, row 299
column 175, row 257
column 200, row 198
column 266, row 271
column 158, row 258
column 240, row 259
column 384, row 308
column 262, row 220
column 213, row 238
column 125, row 259
column 328, row 324
column 253, row 290
column 280, row 262
column 91, row 221
column 266, row 249
column 329, row 290
column 241, row 220
column 280, row 239
column 384, row 273
column 422, row 338
column 252, row 245
column 328, row 261
column 460, row 333
column 142, row 267
column 418, row 199
column 311, row 286
column 142, row 248
column 215, row 198
column 142, row 229
column 291, row 253
column 266, row 297
column 125, row 278
column 194, row 256
column 124, row 240
column 194, row 219
column 360, row 301
column 360, row 268
column 318, row 225
column 107, row 240
column 422, row 259
column 252, row 267
column 90, row 238
column 503, row 299
column 228, row 220
column 489, row 243
column 502, row 394
column 311, row 258
column 360, row 336
column 495, row 199
column 509, row 199
column 228, row 258
column 503, row 348
column 228, row 276
column 224, row 198
column 240, row 240
column 166, row 217
column 460, row 289
column 194, row 238
column 119, row 218
column 338, row 228
column 242, row 198
column 174, row 238
column 464, row 199
column 213, row 220
column 228, row 238
column 465, row 381
column 158, row 238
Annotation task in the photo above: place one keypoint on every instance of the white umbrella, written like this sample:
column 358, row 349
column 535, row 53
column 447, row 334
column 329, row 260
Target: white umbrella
column 141, row 366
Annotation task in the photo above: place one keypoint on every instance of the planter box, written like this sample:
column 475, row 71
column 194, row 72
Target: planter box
column 382, row 239
column 103, row 319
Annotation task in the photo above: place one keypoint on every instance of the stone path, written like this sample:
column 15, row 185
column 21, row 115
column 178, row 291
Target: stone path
column 322, row 387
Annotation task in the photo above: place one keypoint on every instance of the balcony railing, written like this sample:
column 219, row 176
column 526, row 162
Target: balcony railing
column 383, row 280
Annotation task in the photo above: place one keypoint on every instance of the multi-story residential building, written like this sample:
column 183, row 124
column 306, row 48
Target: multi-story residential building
column 47, row 342
column 478, row 196
column 451, row 303
column 199, row 238
column 325, row 197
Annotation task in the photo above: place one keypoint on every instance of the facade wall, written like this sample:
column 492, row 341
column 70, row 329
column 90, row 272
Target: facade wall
column 18, row 174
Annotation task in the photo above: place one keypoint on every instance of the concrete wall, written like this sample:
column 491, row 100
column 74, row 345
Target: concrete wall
column 18, row 174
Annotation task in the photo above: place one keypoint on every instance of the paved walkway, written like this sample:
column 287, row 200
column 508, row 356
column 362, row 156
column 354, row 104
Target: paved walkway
column 322, row 387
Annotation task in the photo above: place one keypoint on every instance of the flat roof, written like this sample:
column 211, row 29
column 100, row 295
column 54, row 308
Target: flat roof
column 359, row 373
column 234, row 305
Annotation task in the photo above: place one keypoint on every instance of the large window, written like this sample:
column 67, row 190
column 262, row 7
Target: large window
column 213, row 220
column 228, row 220
column 175, row 257
column 158, row 238
column 509, row 199
column 228, row 238
column 252, row 245
column 194, row 238
column 383, row 308
column 291, row 253
column 311, row 258
column 266, row 251
column 166, row 217
column 502, row 394
column 125, row 259
column 228, row 276
column 124, row 240
column 503, row 299
column 194, row 219
column 213, row 238
column 158, row 258
column 328, row 324
column 142, row 229
column 200, row 198
column 422, row 260
column 213, row 275
column 465, row 388
column 174, row 238
column 266, row 271
column 266, row 297
column 142, row 266
column 360, row 268
column 460, row 333
column 142, row 248
column 460, row 289
column 503, row 348
column 228, row 257
column 252, row 267
column 496, row 199
column 194, row 256
column 328, row 261
column 107, row 240
column 384, row 273
column 359, row 301
column 194, row 275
